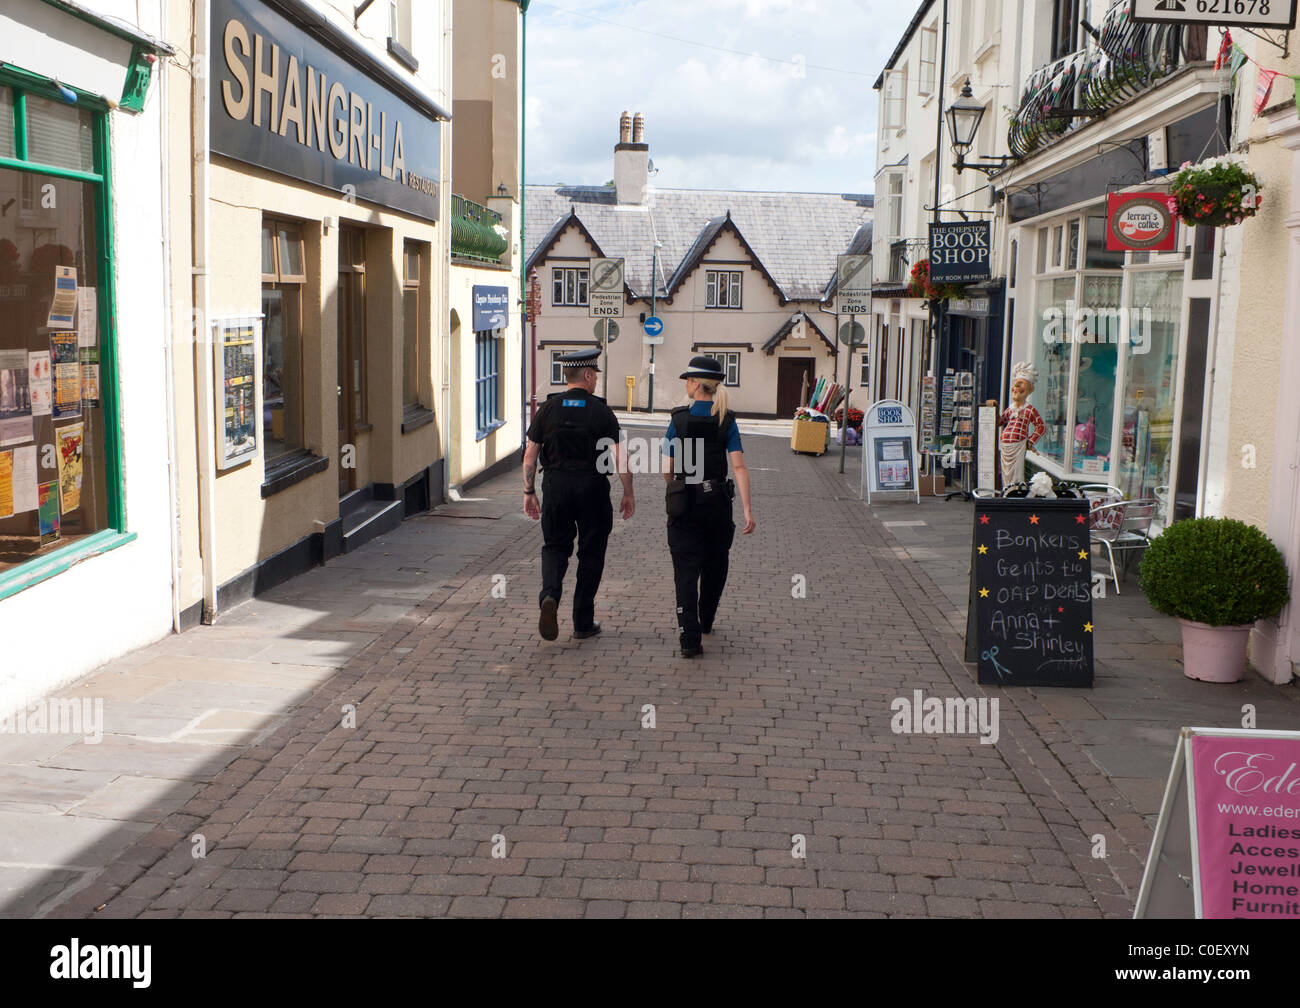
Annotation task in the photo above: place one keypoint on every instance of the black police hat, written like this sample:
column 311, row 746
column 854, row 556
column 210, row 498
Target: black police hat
column 580, row 359
column 705, row 367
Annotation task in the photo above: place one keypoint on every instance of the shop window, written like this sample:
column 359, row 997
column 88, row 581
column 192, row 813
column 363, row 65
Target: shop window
column 1097, row 255
column 487, row 378
column 352, row 331
column 59, row 468
column 414, row 256
column 1147, row 445
column 1041, row 258
column 1098, row 334
column 8, row 142
column 1050, row 354
column 1072, row 245
column 722, row 288
column 59, row 134
column 282, row 381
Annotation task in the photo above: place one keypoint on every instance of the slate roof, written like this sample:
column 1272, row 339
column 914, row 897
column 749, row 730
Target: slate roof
column 796, row 236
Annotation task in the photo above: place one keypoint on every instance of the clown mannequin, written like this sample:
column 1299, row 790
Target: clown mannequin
column 1016, row 421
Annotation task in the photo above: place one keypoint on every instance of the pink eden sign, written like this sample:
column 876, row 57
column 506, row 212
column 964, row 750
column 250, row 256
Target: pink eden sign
column 1247, row 816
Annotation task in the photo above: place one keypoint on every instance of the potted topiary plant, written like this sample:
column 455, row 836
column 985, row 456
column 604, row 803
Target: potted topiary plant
column 1218, row 576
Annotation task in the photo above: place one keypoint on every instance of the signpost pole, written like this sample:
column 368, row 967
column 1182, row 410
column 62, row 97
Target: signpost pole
column 605, row 370
column 848, row 363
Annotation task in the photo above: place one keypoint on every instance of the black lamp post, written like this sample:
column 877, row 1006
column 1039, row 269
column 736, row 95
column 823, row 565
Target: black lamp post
column 964, row 117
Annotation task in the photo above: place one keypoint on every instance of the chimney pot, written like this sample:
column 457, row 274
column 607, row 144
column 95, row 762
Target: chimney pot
column 625, row 127
column 638, row 129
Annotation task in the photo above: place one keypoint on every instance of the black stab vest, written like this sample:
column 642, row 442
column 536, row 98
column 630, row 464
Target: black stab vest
column 713, row 435
column 570, row 442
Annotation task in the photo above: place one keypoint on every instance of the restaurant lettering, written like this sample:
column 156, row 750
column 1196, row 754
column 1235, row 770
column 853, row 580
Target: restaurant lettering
column 284, row 101
column 319, row 111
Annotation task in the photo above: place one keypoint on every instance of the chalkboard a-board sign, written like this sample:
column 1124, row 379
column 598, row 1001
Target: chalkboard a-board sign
column 1030, row 616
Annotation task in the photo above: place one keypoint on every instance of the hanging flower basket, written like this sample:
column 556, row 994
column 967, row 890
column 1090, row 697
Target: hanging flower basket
column 1216, row 193
column 921, row 287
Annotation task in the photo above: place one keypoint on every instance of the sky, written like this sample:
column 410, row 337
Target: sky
column 782, row 102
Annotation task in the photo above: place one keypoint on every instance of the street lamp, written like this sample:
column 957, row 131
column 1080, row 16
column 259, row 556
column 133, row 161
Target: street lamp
column 964, row 117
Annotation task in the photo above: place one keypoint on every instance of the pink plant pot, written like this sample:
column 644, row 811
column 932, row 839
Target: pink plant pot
column 1214, row 654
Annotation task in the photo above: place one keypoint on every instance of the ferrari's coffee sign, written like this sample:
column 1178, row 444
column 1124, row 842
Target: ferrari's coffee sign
column 281, row 100
column 1141, row 221
column 1250, row 13
column 959, row 253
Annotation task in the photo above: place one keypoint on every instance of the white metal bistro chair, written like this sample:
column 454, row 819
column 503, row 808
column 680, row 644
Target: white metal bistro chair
column 1123, row 526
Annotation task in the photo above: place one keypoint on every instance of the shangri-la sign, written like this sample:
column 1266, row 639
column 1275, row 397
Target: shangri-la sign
column 282, row 100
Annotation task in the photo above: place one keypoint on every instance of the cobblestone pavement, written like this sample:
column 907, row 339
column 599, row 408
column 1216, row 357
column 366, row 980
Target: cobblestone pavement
column 473, row 739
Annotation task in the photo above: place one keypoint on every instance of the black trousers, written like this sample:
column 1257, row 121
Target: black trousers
column 700, row 543
column 575, row 503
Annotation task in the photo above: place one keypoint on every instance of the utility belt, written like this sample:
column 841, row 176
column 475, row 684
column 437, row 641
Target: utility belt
column 679, row 495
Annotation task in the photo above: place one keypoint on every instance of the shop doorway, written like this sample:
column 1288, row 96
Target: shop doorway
column 794, row 379
column 351, row 354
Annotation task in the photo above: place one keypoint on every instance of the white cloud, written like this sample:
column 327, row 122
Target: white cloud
column 714, row 119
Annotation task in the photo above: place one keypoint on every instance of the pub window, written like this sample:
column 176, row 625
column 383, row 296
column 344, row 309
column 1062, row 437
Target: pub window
column 283, row 277
column 414, row 257
column 569, row 286
column 722, row 289
column 60, row 469
column 487, row 377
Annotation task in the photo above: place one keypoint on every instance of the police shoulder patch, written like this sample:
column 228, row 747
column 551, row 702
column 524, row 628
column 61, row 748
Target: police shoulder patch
column 574, row 402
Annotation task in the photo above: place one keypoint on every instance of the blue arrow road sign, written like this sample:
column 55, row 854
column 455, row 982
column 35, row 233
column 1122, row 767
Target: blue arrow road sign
column 654, row 325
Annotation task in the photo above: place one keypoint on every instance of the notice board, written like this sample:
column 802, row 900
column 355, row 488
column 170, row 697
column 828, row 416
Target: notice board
column 1029, row 622
column 1227, row 843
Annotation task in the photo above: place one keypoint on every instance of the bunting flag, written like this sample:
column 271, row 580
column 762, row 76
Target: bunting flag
column 1263, row 88
column 1238, row 58
column 1225, row 47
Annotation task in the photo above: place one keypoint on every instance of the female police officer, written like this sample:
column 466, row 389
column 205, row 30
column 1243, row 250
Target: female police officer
column 700, row 528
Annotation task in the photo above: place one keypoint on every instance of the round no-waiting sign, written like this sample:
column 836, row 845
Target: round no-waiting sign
column 607, row 330
column 852, row 334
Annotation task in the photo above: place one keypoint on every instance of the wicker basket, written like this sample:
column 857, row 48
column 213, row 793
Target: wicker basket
column 810, row 436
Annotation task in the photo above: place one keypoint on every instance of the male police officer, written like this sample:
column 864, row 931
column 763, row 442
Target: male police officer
column 566, row 433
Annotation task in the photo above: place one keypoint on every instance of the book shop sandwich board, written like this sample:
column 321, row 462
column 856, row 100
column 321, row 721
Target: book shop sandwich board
column 1227, row 843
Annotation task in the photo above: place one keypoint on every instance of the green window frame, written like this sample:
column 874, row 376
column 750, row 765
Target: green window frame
column 23, row 84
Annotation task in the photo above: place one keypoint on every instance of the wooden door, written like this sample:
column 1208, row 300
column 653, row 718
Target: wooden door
column 791, row 375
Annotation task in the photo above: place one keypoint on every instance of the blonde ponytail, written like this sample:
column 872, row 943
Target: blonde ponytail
column 719, row 394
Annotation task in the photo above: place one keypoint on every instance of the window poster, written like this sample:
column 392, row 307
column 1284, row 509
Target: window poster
column 15, row 398
column 70, row 441
column 38, row 382
column 6, row 484
column 87, row 317
column 65, row 298
column 90, row 375
column 47, row 496
column 236, row 370
column 66, row 370
column 24, row 479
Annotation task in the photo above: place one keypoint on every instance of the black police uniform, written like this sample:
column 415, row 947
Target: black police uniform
column 575, row 495
column 700, row 540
